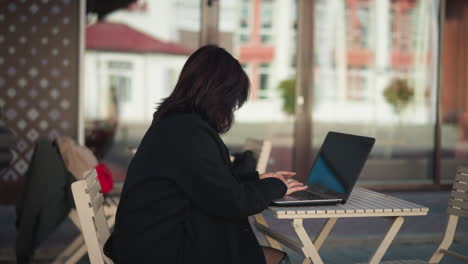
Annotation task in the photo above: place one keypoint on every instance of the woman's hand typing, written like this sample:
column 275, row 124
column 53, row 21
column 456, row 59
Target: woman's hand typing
column 286, row 176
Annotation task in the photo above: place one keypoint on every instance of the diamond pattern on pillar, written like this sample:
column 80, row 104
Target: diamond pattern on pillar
column 38, row 90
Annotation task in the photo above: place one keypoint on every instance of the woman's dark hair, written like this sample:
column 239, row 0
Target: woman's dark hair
column 212, row 84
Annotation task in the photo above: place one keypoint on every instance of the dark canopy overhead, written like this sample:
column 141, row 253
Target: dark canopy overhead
column 104, row 7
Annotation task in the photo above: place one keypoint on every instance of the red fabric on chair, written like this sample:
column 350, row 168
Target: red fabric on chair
column 105, row 178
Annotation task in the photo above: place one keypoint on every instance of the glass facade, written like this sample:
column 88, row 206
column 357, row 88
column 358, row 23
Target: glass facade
column 375, row 76
column 263, row 43
column 125, row 81
column 454, row 93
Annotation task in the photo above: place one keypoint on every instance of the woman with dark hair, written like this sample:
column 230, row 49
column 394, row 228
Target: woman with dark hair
column 181, row 202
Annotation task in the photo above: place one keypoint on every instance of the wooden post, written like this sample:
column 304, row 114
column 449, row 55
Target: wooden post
column 209, row 22
column 302, row 155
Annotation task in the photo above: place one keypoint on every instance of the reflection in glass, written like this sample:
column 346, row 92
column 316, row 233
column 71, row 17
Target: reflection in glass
column 375, row 75
column 454, row 92
column 264, row 43
column 132, row 61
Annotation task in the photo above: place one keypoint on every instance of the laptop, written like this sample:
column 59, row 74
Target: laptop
column 334, row 172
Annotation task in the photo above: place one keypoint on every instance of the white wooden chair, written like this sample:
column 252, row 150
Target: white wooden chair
column 457, row 207
column 261, row 150
column 76, row 249
column 94, row 225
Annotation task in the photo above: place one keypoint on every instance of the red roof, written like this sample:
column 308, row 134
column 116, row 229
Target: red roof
column 120, row 37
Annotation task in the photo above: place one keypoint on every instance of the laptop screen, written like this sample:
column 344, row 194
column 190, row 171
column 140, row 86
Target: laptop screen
column 339, row 162
column 323, row 175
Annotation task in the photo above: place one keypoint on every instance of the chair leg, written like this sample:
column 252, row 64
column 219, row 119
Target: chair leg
column 77, row 248
column 77, row 255
column 74, row 246
column 73, row 215
column 447, row 240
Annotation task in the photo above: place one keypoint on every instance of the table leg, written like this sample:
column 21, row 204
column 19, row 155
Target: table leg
column 270, row 241
column 391, row 233
column 308, row 249
column 322, row 236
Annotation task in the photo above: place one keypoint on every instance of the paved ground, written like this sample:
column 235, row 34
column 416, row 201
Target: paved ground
column 352, row 240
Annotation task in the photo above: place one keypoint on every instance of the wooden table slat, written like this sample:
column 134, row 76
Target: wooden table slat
column 361, row 202
column 372, row 202
column 388, row 205
column 407, row 205
column 386, row 198
column 352, row 207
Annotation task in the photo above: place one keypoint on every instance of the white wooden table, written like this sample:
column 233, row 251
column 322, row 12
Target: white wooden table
column 361, row 203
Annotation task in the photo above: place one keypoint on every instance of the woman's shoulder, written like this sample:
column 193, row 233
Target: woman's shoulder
column 183, row 124
column 181, row 119
column 175, row 133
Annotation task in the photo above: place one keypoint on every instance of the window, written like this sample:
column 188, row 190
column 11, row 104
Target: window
column 120, row 80
column 363, row 18
column 245, row 15
column 358, row 24
column 265, row 38
column 120, row 88
column 244, row 38
column 266, row 21
column 356, row 86
column 264, row 80
column 119, row 65
column 245, row 21
column 403, row 27
column 267, row 14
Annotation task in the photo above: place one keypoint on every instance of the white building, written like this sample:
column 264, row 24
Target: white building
column 262, row 35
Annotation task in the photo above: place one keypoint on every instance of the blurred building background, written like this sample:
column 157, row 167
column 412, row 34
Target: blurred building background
column 395, row 70
column 376, row 70
column 361, row 48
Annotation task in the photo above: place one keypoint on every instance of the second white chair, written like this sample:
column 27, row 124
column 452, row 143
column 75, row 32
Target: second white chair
column 94, row 226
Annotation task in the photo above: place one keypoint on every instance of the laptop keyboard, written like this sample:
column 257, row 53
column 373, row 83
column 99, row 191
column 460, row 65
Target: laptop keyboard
column 305, row 195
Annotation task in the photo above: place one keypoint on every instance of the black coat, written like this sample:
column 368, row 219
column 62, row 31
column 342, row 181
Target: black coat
column 44, row 201
column 181, row 202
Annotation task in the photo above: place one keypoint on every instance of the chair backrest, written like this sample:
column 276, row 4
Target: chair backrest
column 89, row 205
column 458, row 201
column 261, row 150
column 457, row 207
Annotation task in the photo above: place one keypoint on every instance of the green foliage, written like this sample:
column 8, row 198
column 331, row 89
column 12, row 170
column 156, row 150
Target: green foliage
column 288, row 93
column 398, row 94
